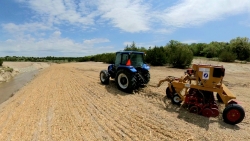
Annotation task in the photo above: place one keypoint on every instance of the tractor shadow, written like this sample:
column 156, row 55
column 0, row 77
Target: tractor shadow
column 196, row 119
column 112, row 89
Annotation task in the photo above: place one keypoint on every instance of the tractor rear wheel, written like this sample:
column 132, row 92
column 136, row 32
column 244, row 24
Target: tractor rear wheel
column 125, row 81
column 104, row 77
column 233, row 114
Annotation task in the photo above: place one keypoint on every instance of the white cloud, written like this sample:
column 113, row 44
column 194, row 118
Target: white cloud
column 57, row 34
column 190, row 41
column 14, row 28
column 96, row 41
column 135, row 15
column 165, row 30
column 128, row 15
column 58, row 11
column 53, row 46
column 196, row 12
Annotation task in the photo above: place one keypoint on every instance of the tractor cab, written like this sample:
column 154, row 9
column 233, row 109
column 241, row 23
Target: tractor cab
column 129, row 58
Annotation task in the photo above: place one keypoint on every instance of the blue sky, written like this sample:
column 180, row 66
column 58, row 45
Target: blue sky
column 87, row 27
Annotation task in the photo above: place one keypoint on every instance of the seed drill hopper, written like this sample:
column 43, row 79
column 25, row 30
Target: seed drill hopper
column 196, row 90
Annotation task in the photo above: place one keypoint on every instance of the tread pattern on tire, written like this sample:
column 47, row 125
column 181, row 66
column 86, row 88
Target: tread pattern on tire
column 131, row 79
column 106, row 81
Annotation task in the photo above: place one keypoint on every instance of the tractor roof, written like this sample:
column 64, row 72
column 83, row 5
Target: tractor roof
column 130, row 52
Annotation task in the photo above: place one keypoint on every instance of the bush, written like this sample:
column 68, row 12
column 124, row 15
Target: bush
column 8, row 69
column 241, row 47
column 156, row 56
column 248, row 59
column 227, row 56
column 179, row 55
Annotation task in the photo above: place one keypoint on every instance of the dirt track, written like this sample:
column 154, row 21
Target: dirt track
column 67, row 102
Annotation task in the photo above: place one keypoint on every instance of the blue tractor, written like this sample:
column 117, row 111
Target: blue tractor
column 129, row 71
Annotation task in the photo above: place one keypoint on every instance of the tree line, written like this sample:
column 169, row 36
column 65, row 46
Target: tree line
column 174, row 53
column 40, row 59
column 180, row 55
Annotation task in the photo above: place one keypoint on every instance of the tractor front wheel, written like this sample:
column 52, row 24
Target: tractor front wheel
column 125, row 81
column 233, row 114
column 104, row 77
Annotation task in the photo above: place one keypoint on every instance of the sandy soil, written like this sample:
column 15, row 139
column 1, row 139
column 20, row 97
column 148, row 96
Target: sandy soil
column 19, row 67
column 67, row 102
column 26, row 66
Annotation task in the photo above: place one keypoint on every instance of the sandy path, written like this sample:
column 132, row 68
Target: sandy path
column 67, row 102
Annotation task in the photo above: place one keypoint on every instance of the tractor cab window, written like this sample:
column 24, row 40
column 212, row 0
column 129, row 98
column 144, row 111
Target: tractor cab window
column 118, row 59
column 136, row 59
column 124, row 59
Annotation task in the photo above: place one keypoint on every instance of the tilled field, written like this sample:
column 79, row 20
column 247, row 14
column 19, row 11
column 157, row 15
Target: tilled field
column 68, row 102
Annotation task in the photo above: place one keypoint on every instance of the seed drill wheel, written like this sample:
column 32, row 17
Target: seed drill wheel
column 233, row 114
column 176, row 99
column 194, row 109
column 104, row 77
column 207, row 112
column 168, row 93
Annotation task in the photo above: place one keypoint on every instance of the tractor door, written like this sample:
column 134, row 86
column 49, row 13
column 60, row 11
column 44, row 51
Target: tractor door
column 117, row 59
column 125, row 57
column 121, row 59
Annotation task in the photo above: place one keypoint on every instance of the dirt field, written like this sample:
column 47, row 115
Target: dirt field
column 68, row 102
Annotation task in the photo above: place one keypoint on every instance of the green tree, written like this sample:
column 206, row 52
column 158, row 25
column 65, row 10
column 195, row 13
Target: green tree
column 214, row 49
column 241, row 47
column 227, row 56
column 132, row 47
column 179, row 55
column 156, row 56
column 197, row 48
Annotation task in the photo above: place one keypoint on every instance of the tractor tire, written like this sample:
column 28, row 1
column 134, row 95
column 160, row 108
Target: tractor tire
column 104, row 77
column 147, row 77
column 233, row 114
column 125, row 81
column 176, row 99
column 168, row 93
column 218, row 98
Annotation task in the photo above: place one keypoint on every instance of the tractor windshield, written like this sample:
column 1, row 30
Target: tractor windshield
column 137, row 59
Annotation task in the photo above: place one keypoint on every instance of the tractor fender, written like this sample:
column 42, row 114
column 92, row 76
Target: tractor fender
column 110, row 67
column 145, row 66
column 129, row 68
column 111, row 70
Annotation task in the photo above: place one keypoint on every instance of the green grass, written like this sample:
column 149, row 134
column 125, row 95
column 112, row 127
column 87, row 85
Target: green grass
column 7, row 69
